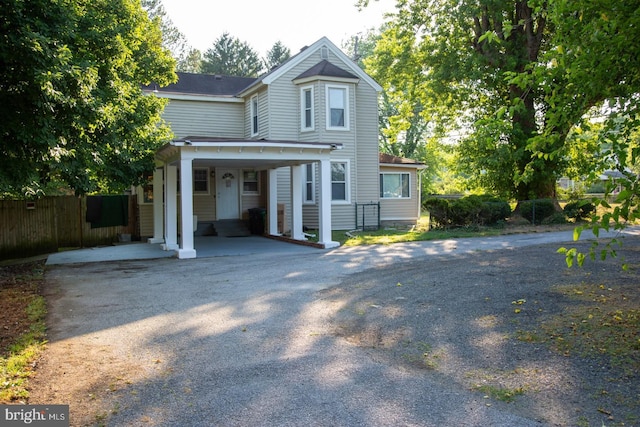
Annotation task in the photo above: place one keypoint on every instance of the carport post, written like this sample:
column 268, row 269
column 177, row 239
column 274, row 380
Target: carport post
column 324, row 207
column 158, row 212
column 171, row 209
column 186, row 204
column 272, row 203
column 296, row 203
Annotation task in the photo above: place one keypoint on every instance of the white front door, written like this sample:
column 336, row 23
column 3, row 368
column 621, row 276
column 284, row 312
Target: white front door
column 227, row 193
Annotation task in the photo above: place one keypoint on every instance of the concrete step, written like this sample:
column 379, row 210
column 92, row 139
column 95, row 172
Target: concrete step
column 231, row 228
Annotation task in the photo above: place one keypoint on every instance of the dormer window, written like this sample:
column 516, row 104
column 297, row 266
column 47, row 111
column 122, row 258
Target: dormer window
column 254, row 115
column 337, row 111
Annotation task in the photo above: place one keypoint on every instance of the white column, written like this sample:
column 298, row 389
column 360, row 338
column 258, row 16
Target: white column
column 170, row 209
column 324, row 206
column 296, row 203
column 272, row 202
column 158, row 211
column 186, row 210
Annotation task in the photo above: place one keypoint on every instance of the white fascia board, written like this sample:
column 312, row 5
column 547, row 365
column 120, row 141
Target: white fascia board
column 312, row 49
column 201, row 98
column 400, row 166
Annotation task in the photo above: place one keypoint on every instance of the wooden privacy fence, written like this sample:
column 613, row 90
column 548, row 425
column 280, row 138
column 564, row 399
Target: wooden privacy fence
column 45, row 225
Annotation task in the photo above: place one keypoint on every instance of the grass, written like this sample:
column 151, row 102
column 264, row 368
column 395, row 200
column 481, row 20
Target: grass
column 420, row 232
column 18, row 357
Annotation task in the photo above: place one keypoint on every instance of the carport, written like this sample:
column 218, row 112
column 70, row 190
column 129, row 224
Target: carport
column 173, row 177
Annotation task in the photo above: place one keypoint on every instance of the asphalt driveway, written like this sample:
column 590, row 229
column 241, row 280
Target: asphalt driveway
column 241, row 341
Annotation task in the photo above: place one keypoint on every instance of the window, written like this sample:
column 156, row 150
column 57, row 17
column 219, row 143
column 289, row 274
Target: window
column 250, row 182
column 254, row 115
column 394, row 186
column 200, row 181
column 306, row 102
column 337, row 112
column 309, row 183
column 339, row 181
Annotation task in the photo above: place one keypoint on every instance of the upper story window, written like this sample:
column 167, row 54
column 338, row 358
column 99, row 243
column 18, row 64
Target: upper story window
column 309, row 183
column 395, row 186
column 337, row 111
column 254, row 115
column 307, row 111
column 340, row 181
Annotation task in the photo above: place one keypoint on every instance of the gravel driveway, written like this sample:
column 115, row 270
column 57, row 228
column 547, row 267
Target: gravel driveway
column 273, row 340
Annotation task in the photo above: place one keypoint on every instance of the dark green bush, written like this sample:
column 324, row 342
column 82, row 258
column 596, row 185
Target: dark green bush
column 535, row 211
column 555, row 218
column 467, row 211
column 439, row 210
column 579, row 209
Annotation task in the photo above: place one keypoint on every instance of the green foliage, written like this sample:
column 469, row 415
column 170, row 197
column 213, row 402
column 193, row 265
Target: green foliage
column 439, row 211
column 71, row 95
column 467, row 211
column 278, row 54
column 230, row 56
column 535, row 211
column 555, row 218
column 579, row 209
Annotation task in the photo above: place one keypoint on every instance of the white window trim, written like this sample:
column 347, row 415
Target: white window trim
column 305, row 181
column 395, row 198
column 303, row 109
column 250, row 193
column 347, row 200
column 255, row 126
column 346, row 107
column 201, row 193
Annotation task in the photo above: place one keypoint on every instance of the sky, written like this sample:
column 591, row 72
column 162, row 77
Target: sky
column 261, row 23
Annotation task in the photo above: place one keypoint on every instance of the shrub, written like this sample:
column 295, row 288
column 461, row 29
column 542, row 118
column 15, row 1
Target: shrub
column 579, row 209
column 467, row 211
column 555, row 218
column 537, row 210
column 439, row 210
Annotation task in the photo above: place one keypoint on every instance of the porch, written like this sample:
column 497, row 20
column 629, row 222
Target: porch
column 226, row 158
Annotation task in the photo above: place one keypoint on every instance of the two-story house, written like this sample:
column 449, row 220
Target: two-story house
column 303, row 137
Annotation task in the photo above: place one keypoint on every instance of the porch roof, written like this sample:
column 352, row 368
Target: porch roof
column 256, row 153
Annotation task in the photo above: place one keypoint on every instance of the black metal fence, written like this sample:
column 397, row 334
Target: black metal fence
column 368, row 216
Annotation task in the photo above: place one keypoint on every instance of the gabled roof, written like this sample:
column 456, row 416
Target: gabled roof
column 389, row 159
column 205, row 84
column 352, row 67
column 326, row 69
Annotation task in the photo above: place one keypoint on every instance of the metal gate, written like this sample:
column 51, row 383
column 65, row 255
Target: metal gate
column 368, row 216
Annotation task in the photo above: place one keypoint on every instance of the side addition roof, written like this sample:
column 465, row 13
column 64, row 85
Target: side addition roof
column 205, row 84
column 389, row 159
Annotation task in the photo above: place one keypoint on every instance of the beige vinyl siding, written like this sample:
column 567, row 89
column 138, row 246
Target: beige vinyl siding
column 367, row 146
column 145, row 213
column 195, row 118
column 359, row 143
column 283, row 110
column 400, row 210
column 263, row 116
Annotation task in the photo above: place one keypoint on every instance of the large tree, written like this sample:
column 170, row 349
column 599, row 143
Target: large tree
column 232, row 57
column 278, row 54
column 463, row 59
column 71, row 102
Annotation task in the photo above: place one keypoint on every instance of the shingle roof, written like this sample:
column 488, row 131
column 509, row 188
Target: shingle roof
column 389, row 159
column 206, row 84
column 327, row 69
